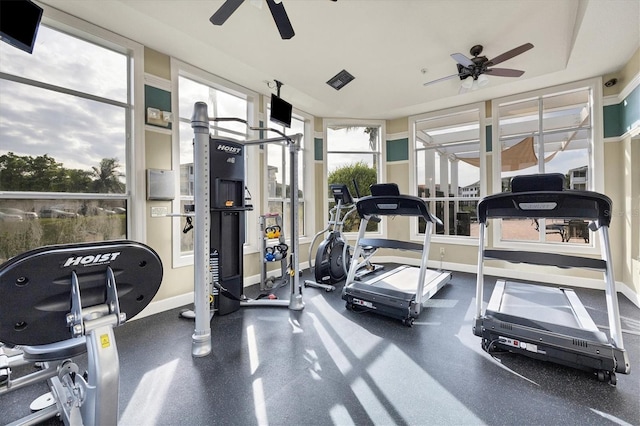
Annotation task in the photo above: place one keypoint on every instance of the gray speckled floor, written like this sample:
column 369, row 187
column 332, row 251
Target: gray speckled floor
column 329, row 366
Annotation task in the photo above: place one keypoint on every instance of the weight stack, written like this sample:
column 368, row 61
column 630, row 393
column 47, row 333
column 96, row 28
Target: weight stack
column 227, row 228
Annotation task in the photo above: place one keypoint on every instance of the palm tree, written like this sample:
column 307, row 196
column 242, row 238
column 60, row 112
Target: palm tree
column 107, row 177
column 373, row 140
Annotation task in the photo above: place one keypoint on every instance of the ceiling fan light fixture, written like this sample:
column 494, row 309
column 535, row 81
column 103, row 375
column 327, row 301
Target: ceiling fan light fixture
column 483, row 80
column 467, row 83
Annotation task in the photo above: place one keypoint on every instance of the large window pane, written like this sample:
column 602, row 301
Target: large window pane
column 447, row 170
column 65, row 138
column 27, row 224
column 220, row 104
column 70, row 62
column 353, row 153
column 278, row 174
column 548, row 134
column 75, row 134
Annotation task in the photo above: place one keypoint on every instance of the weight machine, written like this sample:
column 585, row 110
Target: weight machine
column 226, row 202
column 60, row 302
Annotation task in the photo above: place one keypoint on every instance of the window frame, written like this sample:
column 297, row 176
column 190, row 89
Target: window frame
column 178, row 69
column 134, row 117
column 382, row 167
column 308, row 177
column 595, row 162
column 482, row 123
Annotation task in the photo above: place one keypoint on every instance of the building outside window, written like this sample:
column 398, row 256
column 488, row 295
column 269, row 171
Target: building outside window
column 66, row 143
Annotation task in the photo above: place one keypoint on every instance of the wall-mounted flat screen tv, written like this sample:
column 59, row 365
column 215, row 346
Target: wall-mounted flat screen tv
column 280, row 111
column 19, row 23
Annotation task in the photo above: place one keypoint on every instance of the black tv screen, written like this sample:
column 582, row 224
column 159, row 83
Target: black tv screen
column 280, row 111
column 19, row 23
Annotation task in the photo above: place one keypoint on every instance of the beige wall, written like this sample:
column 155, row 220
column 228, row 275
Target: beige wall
column 624, row 76
column 622, row 184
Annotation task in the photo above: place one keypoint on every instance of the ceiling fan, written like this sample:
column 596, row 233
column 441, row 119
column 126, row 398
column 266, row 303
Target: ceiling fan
column 478, row 65
column 277, row 11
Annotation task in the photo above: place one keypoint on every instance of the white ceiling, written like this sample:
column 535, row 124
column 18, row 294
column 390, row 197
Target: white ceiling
column 386, row 44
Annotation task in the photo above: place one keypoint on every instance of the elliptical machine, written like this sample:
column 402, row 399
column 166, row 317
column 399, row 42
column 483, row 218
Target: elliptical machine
column 333, row 256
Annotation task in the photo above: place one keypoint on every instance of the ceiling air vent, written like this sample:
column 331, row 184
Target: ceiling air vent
column 340, row 80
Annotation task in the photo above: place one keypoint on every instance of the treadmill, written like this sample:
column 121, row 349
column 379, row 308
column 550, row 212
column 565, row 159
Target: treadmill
column 545, row 322
column 402, row 292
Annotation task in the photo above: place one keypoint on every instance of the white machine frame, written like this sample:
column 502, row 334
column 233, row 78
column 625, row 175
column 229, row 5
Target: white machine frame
column 200, row 122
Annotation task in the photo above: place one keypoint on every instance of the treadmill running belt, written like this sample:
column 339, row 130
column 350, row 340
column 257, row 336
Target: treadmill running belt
column 527, row 301
column 542, row 308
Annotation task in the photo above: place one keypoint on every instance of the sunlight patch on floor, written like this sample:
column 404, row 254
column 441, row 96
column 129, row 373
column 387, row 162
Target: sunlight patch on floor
column 611, row 418
column 345, row 328
column 390, row 384
column 392, row 370
column 259, row 403
column 473, row 342
column 340, row 416
column 371, row 404
column 254, row 360
column 150, row 396
column 337, row 355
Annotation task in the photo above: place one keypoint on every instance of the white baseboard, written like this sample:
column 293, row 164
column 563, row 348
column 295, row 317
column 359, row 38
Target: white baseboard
column 579, row 282
column 630, row 294
column 156, row 307
column 591, row 283
column 165, row 305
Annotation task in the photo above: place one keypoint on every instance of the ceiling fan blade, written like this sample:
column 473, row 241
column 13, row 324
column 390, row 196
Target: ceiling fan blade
column 281, row 19
column 504, row 72
column 462, row 60
column 441, row 79
column 226, row 10
column 510, row 54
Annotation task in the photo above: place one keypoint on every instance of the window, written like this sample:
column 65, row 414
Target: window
column 549, row 132
column 66, row 142
column 448, row 165
column 353, row 151
column 278, row 175
column 224, row 99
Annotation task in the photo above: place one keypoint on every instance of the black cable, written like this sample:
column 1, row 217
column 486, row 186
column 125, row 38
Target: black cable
column 487, row 349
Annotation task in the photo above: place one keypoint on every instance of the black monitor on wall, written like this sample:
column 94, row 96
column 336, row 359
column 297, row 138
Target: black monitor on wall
column 19, row 23
column 280, row 111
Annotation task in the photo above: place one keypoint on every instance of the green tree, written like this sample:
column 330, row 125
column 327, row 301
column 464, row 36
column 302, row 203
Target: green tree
column 41, row 174
column 77, row 180
column 373, row 139
column 27, row 173
column 107, row 177
column 364, row 176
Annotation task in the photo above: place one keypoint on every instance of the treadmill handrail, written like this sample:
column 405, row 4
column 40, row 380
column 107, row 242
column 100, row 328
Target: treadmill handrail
column 394, row 205
column 546, row 259
column 566, row 204
column 392, row 244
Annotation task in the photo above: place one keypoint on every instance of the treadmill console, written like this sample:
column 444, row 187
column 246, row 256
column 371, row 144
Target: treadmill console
column 341, row 193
